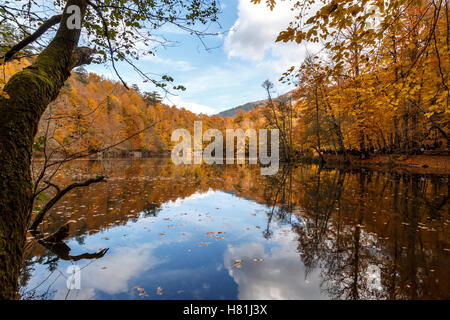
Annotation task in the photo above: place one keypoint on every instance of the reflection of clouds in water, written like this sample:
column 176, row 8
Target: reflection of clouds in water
column 81, row 294
column 192, row 197
column 121, row 266
column 281, row 276
column 202, row 210
column 110, row 274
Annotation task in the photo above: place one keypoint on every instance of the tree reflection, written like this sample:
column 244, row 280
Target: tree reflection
column 279, row 198
column 375, row 235
column 370, row 234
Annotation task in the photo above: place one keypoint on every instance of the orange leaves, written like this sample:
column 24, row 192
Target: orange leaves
column 270, row 3
column 141, row 291
column 4, row 94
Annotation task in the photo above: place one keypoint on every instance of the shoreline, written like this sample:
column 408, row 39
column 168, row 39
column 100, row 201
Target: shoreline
column 420, row 164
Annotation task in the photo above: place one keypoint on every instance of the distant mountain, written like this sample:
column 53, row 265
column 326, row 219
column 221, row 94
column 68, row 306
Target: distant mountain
column 250, row 105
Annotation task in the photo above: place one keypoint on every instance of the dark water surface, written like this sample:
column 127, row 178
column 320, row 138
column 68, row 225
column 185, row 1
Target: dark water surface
column 226, row 232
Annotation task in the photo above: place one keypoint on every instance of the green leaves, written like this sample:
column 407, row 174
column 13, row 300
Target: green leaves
column 39, row 144
column 42, row 197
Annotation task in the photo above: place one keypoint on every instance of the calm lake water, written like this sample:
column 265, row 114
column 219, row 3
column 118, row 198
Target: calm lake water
column 226, row 232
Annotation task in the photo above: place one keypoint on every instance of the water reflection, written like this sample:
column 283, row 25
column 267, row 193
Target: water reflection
column 226, row 232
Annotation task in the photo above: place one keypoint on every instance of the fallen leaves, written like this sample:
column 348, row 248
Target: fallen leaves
column 215, row 236
column 237, row 263
column 142, row 292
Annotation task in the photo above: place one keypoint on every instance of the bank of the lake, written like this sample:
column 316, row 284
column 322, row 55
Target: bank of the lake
column 417, row 164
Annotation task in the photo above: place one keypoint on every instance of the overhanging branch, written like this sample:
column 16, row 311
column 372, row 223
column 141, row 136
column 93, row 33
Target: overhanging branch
column 59, row 195
column 33, row 37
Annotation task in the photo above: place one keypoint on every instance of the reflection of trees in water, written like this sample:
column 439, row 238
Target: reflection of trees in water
column 150, row 210
column 361, row 254
column 370, row 233
column 278, row 196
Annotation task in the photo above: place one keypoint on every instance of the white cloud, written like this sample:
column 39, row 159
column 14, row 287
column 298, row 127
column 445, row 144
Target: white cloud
column 121, row 266
column 281, row 276
column 254, row 33
column 256, row 29
column 191, row 106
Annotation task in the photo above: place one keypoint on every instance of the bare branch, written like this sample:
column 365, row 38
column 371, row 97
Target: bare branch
column 33, row 37
column 59, row 195
column 106, row 34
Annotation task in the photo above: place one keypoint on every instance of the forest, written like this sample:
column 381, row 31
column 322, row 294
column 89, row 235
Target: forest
column 375, row 96
column 380, row 84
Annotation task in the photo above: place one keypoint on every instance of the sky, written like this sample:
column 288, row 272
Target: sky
column 230, row 72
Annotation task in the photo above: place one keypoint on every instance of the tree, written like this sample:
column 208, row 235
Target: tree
column 81, row 74
column 28, row 92
column 152, row 97
column 279, row 116
column 381, row 78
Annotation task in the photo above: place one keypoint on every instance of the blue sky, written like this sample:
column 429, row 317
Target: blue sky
column 231, row 73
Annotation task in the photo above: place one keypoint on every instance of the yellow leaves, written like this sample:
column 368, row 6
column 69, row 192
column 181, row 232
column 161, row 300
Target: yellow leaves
column 4, row 94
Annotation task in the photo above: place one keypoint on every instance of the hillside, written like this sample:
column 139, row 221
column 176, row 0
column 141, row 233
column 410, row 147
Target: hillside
column 250, row 106
column 92, row 113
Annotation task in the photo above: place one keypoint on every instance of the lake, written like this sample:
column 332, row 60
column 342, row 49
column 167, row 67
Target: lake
column 160, row 231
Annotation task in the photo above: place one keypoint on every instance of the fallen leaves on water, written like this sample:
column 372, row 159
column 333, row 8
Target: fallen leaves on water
column 216, row 236
column 142, row 292
column 258, row 259
column 237, row 263
column 159, row 291
column 106, row 238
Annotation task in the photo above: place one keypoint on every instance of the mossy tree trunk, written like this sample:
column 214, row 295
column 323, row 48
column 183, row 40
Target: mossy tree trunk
column 30, row 91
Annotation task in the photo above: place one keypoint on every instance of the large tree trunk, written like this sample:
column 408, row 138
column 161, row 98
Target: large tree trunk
column 30, row 91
